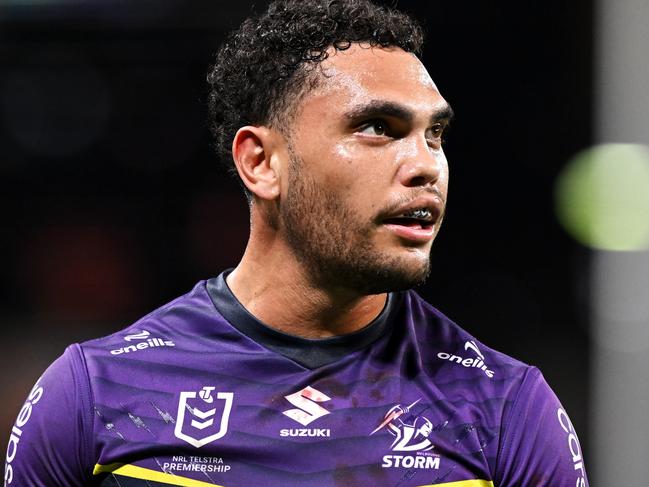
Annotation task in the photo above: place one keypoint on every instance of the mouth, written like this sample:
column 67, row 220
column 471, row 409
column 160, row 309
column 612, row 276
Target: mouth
column 421, row 218
column 416, row 222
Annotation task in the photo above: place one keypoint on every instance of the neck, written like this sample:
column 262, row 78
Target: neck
column 276, row 288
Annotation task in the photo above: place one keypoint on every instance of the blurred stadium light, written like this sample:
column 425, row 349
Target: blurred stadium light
column 602, row 197
column 620, row 280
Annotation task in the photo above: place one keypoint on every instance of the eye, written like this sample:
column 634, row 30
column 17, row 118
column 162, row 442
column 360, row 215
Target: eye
column 374, row 127
column 435, row 133
column 437, row 130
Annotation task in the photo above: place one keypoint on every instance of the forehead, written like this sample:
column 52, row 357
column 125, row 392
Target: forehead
column 361, row 73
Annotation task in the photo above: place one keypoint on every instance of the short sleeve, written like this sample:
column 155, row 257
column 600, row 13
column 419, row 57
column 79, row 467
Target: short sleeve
column 49, row 443
column 539, row 445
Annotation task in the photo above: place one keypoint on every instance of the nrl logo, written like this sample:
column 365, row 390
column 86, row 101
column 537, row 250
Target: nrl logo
column 201, row 430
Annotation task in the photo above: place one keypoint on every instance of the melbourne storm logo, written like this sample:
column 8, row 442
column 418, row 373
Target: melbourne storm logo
column 411, row 434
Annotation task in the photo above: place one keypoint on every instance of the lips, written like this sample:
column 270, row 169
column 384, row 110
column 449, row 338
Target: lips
column 416, row 220
column 420, row 216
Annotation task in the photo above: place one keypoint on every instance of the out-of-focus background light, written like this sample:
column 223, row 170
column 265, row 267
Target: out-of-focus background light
column 602, row 197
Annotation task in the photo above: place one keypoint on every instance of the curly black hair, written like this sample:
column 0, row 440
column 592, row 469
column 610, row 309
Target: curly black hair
column 263, row 69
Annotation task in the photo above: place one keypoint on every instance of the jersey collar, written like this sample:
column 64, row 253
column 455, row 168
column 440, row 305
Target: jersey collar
column 310, row 353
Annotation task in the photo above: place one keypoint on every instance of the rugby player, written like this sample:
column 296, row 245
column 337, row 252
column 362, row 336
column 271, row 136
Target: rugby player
column 312, row 363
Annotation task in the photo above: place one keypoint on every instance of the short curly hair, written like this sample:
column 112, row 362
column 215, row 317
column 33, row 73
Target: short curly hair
column 262, row 70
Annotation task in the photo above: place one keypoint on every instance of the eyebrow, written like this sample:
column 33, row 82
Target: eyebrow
column 381, row 108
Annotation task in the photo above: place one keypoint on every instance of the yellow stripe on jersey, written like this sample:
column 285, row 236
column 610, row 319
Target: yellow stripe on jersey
column 147, row 474
column 464, row 483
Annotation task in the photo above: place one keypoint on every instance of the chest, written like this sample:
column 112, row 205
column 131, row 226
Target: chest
column 360, row 425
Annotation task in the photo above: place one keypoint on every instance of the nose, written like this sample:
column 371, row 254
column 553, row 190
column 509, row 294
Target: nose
column 421, row 165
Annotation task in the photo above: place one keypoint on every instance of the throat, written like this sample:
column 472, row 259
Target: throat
column 317, row 320
column 305, row 311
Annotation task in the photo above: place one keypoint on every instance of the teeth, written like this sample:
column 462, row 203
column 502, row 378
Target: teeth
column 421, row 214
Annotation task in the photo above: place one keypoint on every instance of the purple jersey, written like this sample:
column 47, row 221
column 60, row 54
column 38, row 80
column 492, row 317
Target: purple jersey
column 200, row 393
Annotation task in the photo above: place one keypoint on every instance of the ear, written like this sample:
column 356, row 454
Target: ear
column 252, row 150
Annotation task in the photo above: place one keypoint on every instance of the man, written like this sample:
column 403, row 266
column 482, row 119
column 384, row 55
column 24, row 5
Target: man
column 293, row 368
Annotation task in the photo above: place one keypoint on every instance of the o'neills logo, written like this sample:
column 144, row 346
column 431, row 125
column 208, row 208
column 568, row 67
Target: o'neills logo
column 144, row 341
column 477, row 362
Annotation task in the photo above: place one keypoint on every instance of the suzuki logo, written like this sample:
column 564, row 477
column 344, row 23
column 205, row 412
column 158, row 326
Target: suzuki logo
column 306, row 400
column 202, row 419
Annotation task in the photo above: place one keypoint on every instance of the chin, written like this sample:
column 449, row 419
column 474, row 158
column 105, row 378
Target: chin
column 393, row 274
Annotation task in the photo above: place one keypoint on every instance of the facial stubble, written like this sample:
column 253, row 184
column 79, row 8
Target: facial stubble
column 334, row 243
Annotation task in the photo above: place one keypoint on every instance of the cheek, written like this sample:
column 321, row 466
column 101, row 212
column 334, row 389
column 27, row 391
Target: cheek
column 358, row 177
column 343, row 153
column 365, row 161
column 353, row 185
column 444, row 172
column 347, row 168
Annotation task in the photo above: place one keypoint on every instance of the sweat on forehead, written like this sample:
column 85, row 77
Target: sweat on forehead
column 364, row 76
column 363, row 61
column 364, row 84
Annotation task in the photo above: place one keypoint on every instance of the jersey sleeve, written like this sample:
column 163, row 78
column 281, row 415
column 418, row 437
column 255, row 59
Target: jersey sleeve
column 50, row 440
column 539, row 445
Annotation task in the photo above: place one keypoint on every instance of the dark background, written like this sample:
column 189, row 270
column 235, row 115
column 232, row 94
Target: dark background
column 112, row 202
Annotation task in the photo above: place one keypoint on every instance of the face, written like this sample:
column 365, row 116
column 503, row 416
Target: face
column 426, row 429
column 368, row 178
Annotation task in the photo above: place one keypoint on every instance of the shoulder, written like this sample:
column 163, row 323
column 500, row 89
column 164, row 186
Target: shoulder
column 143, row 359
column 482, row 382
column 57, row 412
column 449, row 348
column 537, row 443
column 160, row 328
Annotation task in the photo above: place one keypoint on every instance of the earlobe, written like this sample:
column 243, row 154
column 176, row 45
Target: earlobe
column 252, row 150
